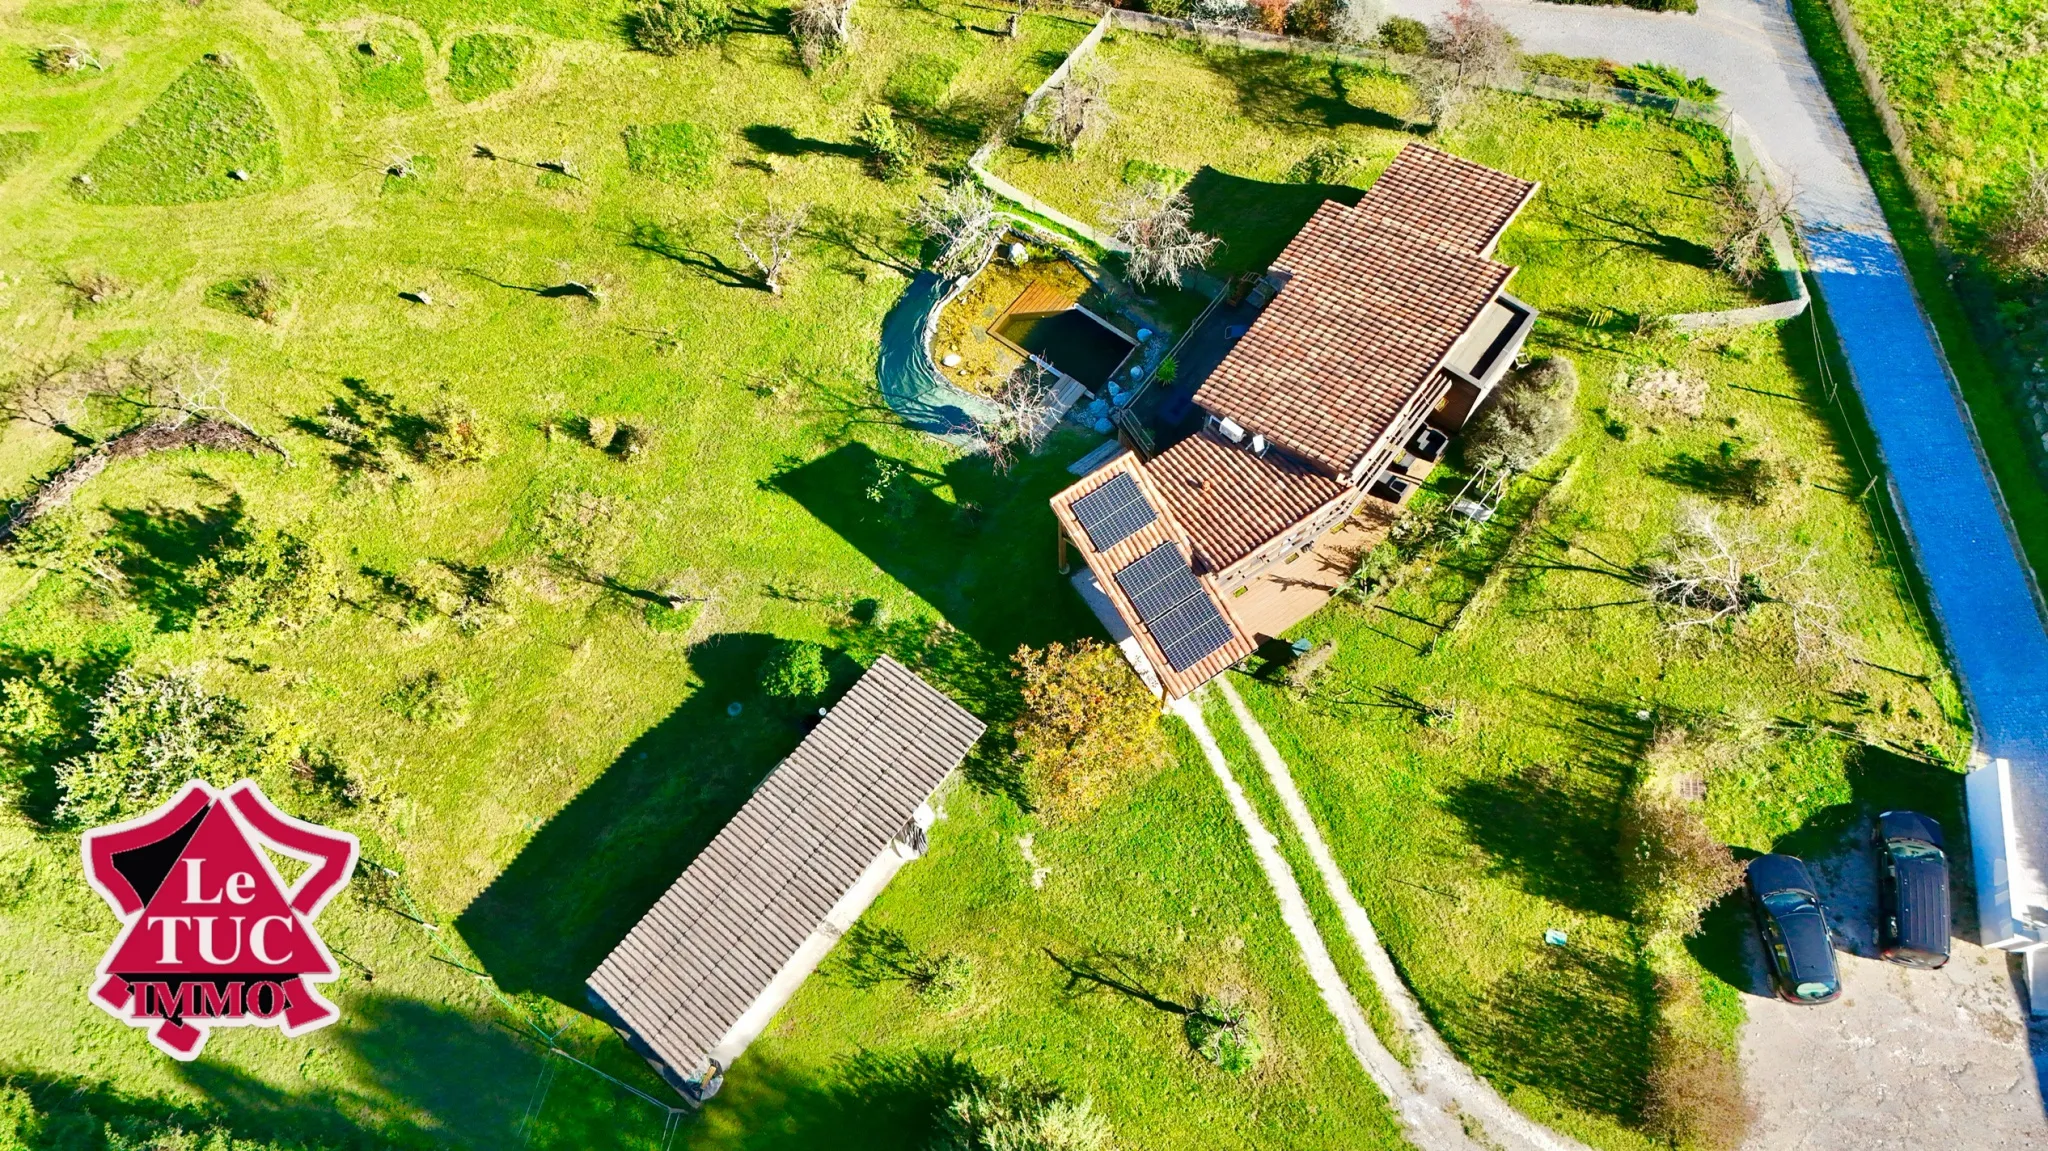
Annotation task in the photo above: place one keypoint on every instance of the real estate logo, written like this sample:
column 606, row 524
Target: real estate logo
column 211, row 934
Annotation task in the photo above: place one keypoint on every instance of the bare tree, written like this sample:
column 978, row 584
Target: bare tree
column 1025, row 411
column 1080, row 102
column 49, row 392
column 1358, row 21
column 1154, row 220
column 1711, row 573
column 964, row 221
column 2020, row 236
column 1474, row 44
column 1751, row 211
column 766, row 238
column 820, row 28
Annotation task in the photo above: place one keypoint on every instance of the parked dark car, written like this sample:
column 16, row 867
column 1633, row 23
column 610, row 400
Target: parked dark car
column 1912, row 890
column 1797, row 943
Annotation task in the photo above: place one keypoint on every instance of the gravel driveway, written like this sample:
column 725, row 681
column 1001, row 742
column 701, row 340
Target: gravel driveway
column 1904, row 1059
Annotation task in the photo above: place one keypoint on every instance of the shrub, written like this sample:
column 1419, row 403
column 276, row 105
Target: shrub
column 152, row 733
column 1531, row 413
column 668, row 27
column 1664, row 80
column 1329, row 162
column 429, row 699
column 1270, row 15
column 271, row 577
column 1167, row 371
column 1225, row 1033
column 259, row 296
column 66, row 59
column 95, row 287
column 1473, row 43
column 1405, row 35
column 2019, row 237
column 1693, row 1093
column 888, row 147
column 1358, row 21
column 796, row 672
column 945, row 980
column 1009, row 1116
column 1313, row 19
column 680, row 153
column 1671, row 865
column 452, row 433
column 1087, row 724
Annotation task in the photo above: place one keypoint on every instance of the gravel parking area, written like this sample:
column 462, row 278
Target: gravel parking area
column 1904, row 1059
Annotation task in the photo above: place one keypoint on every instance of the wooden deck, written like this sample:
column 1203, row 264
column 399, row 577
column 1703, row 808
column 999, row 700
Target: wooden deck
column 1291, row 592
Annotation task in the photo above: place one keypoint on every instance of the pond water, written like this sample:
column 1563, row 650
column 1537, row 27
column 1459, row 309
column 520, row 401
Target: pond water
column 1072, row 341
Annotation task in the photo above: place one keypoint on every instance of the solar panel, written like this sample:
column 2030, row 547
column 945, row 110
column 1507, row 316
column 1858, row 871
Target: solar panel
column 1158, row 581
column 1185, row 617
column 1193, row 646
column 1112, row 512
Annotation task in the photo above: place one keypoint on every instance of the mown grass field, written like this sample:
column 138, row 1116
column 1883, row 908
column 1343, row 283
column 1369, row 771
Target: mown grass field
column 577, row 749
column 587, row 751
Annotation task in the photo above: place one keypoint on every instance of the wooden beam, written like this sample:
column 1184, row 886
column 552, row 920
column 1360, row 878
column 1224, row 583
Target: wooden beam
column 1061, row 532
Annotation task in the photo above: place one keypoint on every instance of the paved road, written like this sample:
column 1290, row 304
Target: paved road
column 1911, row 1059
column 1752, row 51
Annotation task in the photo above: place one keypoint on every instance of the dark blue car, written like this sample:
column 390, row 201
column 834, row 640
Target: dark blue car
column 1912, row 890
column 1798, row 945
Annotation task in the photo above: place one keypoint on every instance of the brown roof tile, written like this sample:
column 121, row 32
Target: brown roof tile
column 1231, row 501
column 1446, row 199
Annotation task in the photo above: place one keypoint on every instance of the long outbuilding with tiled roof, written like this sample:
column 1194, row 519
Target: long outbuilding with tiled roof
column 707, row 967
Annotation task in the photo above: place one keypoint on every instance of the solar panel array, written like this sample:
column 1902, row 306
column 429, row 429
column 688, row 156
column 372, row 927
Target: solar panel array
column 1168, row 597
column 1110, row 513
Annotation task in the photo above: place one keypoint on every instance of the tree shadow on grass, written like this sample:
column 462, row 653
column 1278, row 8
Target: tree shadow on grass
column 70, row 683
column 589, row 874
column 1598, row 227
column 777, row 140
column 1715, row 476
column 1571, row 1023
column 669, row 244
column 157, row 547
column 1276, row 88
column 1255, row 218
column 1553, row 827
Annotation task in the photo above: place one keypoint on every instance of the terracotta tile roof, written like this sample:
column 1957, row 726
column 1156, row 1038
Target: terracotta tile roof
column 712, row 944
column 1166, row 528
column 1446, row 199
column 1231, row 501
column 1368, row 314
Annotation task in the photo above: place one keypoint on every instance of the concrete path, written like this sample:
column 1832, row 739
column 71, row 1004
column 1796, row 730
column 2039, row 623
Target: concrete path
column 1436, row 1072
column 1429, row 1121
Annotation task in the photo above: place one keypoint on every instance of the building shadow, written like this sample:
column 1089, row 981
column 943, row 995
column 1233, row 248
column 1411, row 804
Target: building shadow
column 591, row 872
column 1254, row 218
column 978, row 546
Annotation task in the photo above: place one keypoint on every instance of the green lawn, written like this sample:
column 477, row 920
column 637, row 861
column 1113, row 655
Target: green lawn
column 540, row 769
column 539, row 764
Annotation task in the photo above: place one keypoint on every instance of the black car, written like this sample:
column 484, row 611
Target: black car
column 1912, row 890
column 1797, row 942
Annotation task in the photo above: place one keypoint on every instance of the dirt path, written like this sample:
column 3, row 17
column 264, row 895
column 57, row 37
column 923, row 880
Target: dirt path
column 1436, row 1072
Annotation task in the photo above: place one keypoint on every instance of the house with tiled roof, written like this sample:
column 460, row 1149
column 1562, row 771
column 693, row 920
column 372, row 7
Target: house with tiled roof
column 1381, row 328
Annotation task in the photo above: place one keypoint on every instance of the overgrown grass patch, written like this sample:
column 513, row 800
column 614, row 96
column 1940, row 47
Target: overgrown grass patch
column 15, row 149
column 188, row 144
column 485, row 63
column 380, row 67
column 679, row 152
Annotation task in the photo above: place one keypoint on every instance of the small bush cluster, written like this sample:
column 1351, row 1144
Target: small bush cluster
column 151, row 733
column 66, row 59
column 670, row 27
column 1224, row 1032
column 1405, row 35
column 259, row 296
column 1531, row 413
column 1330, row 162
column 890, row 148
column 2019, row 236
column 1006, row 1115
column 1087, row 726
column 944, row 980
column 452, row 433
column 1664, row 80
column 795, row 672
column 1672, row 866
column 269, row 577
column 429, row 699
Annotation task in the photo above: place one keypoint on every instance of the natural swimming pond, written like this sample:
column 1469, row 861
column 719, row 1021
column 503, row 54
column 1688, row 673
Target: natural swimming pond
column 1072, row 341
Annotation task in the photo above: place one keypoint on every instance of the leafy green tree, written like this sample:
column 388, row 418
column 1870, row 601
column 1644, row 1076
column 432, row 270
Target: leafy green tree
column 270, row 577
column 150, row 735
column 1010, row 1116
column 795, row 672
